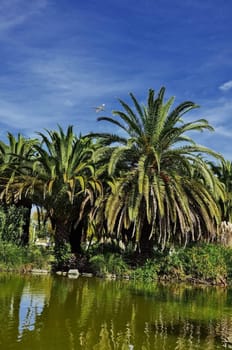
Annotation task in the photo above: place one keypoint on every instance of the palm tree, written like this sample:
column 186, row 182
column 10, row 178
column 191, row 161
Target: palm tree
column 223, row 170
column 14, row 157
column 64, row 183
column 155, row 194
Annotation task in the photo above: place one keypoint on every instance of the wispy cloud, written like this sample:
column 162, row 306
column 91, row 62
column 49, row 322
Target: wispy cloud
column 22, row 118
column 226, row 86
column 224, row 131
column 15, row 12
column 218, row 113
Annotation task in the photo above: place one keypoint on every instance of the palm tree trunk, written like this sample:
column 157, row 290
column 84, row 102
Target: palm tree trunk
column 145, row 245
column 76, row 238
column 62, row 230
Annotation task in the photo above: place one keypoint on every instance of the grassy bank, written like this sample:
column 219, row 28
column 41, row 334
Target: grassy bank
column 205, row 263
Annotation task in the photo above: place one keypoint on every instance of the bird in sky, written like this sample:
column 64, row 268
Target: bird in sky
column 100, row 108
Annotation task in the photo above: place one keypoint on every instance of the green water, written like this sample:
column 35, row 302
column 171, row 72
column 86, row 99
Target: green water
column 49, row 313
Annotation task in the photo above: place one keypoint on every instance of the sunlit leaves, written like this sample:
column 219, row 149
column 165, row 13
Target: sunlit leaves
column 164, row 187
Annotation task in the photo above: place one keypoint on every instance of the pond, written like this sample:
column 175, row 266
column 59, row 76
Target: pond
column 44, row 312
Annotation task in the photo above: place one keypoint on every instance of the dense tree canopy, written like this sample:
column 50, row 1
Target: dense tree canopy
column 148, row 183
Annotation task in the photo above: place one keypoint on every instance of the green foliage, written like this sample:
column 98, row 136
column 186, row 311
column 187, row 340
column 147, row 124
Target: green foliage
column 227, row 254
column 206, row 262
column 209, row 263
column 98, row 264
column 109, row 263
column 11, row 223
column 13, row 257
column 148, row 272
column 64, row 259
column 38, row 257
column 161, row 187
column 173, row 264
column 223, row 170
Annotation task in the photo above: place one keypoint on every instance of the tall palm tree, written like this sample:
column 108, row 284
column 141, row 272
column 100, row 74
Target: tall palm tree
column 64, row 183
column 155, row 195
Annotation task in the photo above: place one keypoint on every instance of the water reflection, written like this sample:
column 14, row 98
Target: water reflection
column 58, row 313
column 32, row 303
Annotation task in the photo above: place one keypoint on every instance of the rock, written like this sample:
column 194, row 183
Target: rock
column 73, row 273
column 59, row 273
column 87, row 274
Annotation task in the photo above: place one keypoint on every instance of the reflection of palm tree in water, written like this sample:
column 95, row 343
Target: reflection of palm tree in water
column 35, row 295
column 91, row 314
column 10, row 294
column 107, row 315
column 224, row 332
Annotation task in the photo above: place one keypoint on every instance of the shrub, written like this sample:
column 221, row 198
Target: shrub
column 206, row 261
column 64, row 259
column 148, row 272
column 172, row 264
column 23, row 258
column 38, row 257
column 11, row 256
column 98, row 264
column 227, row 253
column 109, row 263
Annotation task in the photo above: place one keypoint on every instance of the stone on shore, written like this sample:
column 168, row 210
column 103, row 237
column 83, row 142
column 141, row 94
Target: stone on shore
column 73, row 273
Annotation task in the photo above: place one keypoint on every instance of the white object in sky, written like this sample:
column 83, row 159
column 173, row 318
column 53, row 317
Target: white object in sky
column 100, row 108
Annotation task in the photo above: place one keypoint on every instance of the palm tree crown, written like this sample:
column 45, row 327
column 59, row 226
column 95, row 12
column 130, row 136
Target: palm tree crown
column 154, row 188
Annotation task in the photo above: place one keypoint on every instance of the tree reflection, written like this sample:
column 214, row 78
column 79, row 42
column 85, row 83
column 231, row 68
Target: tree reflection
column 10, row 293
column 33, row 299
column 96, row 314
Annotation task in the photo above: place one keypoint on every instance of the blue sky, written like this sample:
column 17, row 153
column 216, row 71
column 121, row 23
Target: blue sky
column 60, row 58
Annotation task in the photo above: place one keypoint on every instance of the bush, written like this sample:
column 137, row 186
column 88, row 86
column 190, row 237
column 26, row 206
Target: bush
column 109, row 263
column 11, row 256
column 64, row 259
column 173, row 264
column 38, row 257
column 148, row 272
column 227, row 253
column 206, row 262
column 17, row 258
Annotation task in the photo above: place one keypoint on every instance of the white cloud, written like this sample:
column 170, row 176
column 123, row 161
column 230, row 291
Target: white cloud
column 217, row 112
column 226, row 86
column 74, row 81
